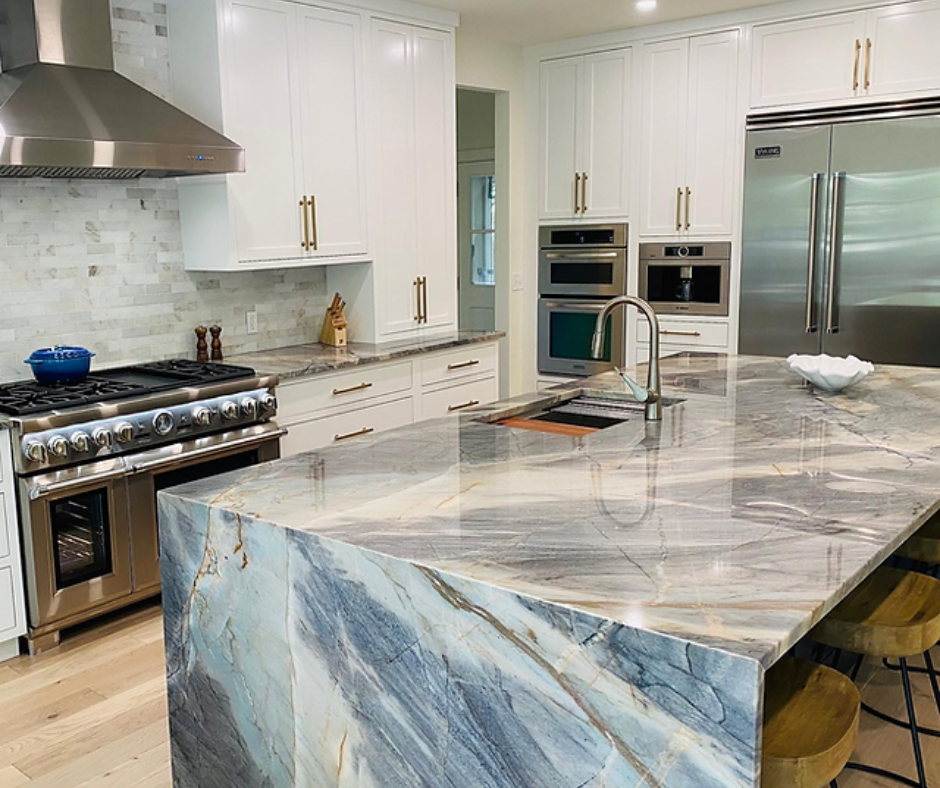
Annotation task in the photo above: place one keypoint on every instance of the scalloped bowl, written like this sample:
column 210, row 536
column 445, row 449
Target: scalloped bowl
column 829, row 373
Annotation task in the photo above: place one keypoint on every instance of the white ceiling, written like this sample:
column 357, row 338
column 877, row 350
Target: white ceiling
column 526, row 22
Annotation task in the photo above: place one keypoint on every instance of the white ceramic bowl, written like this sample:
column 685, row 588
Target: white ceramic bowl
column 829, row 373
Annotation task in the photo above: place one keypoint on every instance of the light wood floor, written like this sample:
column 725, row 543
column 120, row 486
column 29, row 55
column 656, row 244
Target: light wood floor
column 92, row 714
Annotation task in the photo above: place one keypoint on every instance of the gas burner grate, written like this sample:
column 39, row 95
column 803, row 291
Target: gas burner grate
column 197, row 371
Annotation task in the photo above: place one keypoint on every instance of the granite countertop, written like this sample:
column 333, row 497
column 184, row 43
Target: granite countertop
column 736, row 523
column 302, row 360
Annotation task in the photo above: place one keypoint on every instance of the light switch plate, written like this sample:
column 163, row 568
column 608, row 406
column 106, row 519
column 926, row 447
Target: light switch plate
column 517, row 282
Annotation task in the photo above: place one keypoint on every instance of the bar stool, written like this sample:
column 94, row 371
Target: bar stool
column 810, row 725
column 892, row 614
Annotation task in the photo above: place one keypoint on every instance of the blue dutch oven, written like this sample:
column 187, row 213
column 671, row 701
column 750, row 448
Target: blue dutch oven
column 60, row 364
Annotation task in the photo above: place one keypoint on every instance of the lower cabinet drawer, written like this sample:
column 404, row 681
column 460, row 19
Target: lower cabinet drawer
column 346, row 427
column 685, row 332
column 474, row 360
column 4, row 527
column 451, row 400
column 8, row 602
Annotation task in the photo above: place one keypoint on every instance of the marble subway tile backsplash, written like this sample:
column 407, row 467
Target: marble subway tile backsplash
column 100, row 264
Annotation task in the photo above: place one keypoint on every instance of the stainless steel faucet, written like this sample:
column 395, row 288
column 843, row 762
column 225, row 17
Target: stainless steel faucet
column 651, row 396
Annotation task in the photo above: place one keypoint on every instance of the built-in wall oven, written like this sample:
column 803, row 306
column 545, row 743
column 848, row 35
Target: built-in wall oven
column 580, row 269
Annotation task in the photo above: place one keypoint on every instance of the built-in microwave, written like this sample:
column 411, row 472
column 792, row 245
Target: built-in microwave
column 686, row 279
column 583, row 261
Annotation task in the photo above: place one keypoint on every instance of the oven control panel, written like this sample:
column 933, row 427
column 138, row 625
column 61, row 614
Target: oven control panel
column 144, row 430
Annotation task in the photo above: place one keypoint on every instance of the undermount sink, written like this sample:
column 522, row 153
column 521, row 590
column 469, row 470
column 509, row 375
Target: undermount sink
column 578, row 412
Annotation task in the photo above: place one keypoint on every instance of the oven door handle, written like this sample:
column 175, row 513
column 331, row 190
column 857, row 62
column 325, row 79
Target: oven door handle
column 575, row 256
column 224, row 447
column 37, row 491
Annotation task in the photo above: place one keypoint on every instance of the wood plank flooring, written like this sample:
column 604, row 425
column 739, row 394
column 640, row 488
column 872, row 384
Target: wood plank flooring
column 92, row 714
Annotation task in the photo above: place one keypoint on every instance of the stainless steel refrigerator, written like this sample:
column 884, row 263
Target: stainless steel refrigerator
column 841, row 240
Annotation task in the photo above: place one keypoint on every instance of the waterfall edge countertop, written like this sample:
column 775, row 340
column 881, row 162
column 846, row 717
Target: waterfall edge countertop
column 618, row 595
column 299, row 361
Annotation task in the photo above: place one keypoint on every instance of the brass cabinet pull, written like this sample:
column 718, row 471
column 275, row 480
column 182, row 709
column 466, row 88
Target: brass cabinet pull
column 584, row 180
column 858, row 57
column 577, row 192
column 418, row 300
column 666, row 333
column 868, row 46
column 688, row 208
column 679, row 209
column 358, row 433
column 424, row 299
column 466, row 405
column 315, row 235
column 305, row 243
column 360, row 387
column 463, row 365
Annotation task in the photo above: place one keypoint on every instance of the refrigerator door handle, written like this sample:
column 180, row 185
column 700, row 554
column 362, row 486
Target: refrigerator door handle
column 832, row 325
column 811, row 327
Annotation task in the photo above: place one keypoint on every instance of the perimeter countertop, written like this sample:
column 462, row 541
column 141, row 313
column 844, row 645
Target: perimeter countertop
column 736, row 523
column 302, row 360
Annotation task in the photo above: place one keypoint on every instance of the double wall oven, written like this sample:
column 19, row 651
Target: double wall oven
column 580, row 269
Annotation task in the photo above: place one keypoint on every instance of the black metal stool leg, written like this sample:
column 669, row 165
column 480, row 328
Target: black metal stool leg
column 934, row 685
column 915, row 737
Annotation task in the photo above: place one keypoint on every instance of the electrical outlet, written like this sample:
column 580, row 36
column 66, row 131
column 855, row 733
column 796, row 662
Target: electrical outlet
column 251, row 322
column 517, row 283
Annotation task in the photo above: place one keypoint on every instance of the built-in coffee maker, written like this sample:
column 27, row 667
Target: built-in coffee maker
column 686, row 279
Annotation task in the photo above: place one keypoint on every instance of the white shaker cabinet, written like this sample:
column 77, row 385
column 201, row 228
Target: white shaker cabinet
column 284, row 80
column 585, row 108
column 903, row 51
column 12, row 599
column 689, row 136
column 412, row 106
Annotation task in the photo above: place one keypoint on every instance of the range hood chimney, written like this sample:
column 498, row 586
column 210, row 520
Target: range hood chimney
column 66, row 113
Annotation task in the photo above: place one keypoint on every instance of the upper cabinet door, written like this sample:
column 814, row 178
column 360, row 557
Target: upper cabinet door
column 436, row 173
column 392, row 120
column 263, row 116
column 904, row 55
column 665, row 100
column 606, row 136
column 712, row 133
column 808, row 60
column 331, row 77
column 560, row 128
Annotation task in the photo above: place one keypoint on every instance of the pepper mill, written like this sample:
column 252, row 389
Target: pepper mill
column 202, row 347
column 216, row 332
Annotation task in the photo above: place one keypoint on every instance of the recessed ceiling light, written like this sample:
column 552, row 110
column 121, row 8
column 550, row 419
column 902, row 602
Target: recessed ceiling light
column 646, row 5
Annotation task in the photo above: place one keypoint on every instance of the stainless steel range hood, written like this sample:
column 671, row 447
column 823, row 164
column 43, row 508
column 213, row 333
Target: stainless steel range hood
column 65, row 112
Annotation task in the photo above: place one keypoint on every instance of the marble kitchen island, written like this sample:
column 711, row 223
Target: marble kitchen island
column 463, row 604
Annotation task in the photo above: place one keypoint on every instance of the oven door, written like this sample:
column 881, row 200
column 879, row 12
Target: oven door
column 76, row 535
column 566, row 329
column 600, row 273
column 170, row 466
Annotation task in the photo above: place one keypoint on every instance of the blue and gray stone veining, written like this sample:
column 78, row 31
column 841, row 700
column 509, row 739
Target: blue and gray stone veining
column 459, row 603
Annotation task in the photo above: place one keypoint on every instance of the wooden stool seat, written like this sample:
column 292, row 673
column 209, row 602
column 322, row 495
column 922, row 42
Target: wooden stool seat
column 924, row 545
column 810, row 725
column 893, row 613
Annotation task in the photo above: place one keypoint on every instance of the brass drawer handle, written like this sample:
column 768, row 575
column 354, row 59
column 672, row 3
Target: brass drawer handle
column 858, row 55
column 584, row 180
column 418, row 300
column 315, row 233
column 464, row 365
column 357, row 434
column 305, row 243
column 424, row 299
column 688, row 208
column 680, row 333
column 466, row 405
column 577, row 192
column 351, row 389
column 867, row 63
column 679, row 209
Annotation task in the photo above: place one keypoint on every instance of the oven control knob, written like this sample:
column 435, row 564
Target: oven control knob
column 102, row 437
column 81, row 442
column 269, row 403
column 229, row 411
column 59, row 447
column 124, row 432
column 202, row 417
column 35, row 451
column 249, row 407
column 163, row 423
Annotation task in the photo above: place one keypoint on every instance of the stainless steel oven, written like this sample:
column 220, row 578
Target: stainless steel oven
column 583, row 261
column 566, row 328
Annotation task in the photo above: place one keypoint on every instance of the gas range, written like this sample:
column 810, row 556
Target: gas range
column 130, row 409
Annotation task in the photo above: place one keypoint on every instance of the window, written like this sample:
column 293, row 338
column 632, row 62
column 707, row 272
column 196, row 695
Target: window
column 483, row 230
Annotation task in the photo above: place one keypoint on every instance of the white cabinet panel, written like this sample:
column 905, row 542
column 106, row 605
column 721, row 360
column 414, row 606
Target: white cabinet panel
column 4, row 524
column 347, row 427
column 607, row 115
column 665, row 109
column 455, row 399
column 808, row 60
column 560, row 137
column 263, row 116
column 712, row 133
column 10, row 625
column 333, row 129
column 904, row 56
column 436, row 168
